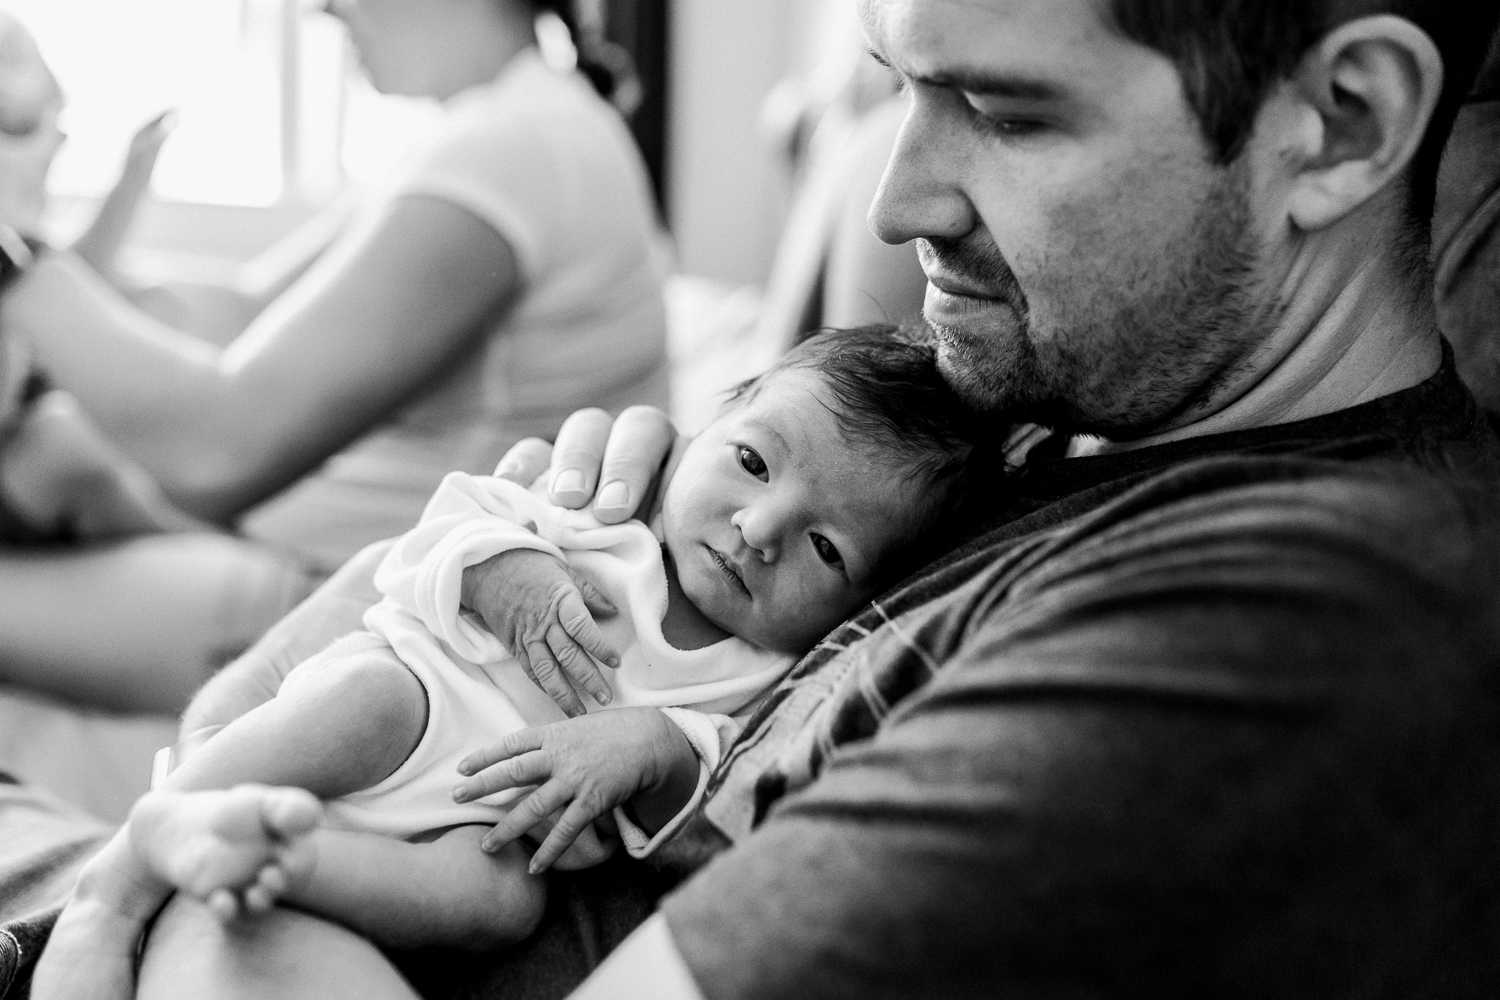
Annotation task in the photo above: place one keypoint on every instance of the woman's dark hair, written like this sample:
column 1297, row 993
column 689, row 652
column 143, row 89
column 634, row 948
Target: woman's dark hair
column 607, row 65
column 1230, row 53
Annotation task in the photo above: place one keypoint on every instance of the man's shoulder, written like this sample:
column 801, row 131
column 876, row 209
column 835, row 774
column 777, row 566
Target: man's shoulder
column 1286, row 514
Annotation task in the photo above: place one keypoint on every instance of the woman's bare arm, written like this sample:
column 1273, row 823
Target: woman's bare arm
column 380, row 315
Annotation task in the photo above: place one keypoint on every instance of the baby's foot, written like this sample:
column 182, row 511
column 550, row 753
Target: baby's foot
column 236, row 850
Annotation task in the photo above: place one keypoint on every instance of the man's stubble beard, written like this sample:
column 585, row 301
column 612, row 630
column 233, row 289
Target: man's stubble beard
column 1152, row 351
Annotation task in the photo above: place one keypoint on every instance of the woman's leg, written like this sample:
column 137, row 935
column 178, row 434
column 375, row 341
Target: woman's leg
column 138, row 625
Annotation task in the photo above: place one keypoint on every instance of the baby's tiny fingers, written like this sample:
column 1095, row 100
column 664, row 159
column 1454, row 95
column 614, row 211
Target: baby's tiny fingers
column 578, row 665
column 518, row 772
column 579, row 624
column 551, row 678
column 528, row 813
column 258, row 901
column 224, row 904
column 568, row 829
column 592, row 598
column 514, row 744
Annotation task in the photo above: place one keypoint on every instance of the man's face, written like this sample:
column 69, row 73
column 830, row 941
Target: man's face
column 1090, row 267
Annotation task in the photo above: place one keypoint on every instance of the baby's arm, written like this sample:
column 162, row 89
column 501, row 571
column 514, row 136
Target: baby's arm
column 585, row 767
column 536, row 609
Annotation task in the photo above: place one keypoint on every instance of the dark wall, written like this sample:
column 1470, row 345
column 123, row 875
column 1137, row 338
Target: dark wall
column 641, row 26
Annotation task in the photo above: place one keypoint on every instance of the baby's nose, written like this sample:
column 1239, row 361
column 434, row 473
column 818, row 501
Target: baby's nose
column 759, row 532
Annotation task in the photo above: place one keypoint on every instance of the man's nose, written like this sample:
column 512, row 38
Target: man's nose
column 920, row 195
column 760, row 530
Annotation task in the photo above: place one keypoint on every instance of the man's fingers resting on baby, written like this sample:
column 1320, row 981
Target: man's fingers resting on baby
column 639, row 443
column 576, row 457
column 526, row 462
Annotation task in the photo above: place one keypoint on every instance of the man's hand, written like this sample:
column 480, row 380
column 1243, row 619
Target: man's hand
column 621, row 458
column 540, row 611
column 585, row 767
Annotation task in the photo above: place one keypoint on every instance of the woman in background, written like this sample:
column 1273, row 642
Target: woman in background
column 510, row 274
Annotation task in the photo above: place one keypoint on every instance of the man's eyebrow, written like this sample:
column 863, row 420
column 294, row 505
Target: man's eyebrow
column 974, row 81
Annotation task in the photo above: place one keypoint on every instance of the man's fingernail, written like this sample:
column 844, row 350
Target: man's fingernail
column 603, row 696
column 487, row 845
column 612, row 661
column 568, row 481
column 460, row 793
column 536, row 867
column 613, row 495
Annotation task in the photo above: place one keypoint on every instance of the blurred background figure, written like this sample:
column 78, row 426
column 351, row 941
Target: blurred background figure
column 830, row 128
column 509, row 273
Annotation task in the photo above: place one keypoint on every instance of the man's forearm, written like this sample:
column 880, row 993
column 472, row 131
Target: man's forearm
column 336, row 609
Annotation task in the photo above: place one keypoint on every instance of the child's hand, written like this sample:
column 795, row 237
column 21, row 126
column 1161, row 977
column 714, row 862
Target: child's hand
column 100, row 244
column 540, row 611
column 145, row 145
column 585, row 767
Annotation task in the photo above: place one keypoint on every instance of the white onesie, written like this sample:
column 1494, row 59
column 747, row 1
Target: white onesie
column 477, row 692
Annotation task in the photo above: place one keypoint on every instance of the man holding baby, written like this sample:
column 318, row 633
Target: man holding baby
column 1203, row 708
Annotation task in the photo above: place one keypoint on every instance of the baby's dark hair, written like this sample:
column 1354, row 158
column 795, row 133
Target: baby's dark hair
column 889, row 397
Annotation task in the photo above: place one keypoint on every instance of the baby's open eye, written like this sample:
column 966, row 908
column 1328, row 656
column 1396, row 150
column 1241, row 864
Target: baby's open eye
column 752, row 463
column 828, row 552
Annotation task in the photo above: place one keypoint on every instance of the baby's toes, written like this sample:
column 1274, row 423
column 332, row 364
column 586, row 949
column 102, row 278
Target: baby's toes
column 290, row 812
column 224, row 904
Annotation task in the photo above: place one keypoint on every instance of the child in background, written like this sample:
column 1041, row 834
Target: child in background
column 60, row 476
column 796, row 506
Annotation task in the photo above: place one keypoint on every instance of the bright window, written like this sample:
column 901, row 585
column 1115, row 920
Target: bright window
column 268, row 110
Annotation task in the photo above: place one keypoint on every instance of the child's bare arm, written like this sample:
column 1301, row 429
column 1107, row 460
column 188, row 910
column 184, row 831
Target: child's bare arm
column 406, row 895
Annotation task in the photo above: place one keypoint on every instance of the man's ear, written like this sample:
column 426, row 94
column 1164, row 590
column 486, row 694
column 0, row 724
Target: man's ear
column 1368, row 90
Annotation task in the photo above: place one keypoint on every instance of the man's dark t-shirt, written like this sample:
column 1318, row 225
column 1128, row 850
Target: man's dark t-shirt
column 1210, row 719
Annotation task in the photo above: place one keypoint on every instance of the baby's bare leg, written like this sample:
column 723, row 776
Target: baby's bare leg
column 345, row 727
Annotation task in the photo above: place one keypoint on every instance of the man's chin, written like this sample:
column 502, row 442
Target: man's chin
column 985, row 375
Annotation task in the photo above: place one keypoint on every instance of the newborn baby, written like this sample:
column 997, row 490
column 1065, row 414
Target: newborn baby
column 799, row 503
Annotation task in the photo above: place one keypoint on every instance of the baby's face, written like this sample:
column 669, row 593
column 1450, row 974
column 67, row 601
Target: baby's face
column 776, row 525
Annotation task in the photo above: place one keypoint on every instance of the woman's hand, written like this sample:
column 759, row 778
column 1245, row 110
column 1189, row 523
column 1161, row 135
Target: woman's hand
column 540, row 611
column 585, row 767
column 621, row 459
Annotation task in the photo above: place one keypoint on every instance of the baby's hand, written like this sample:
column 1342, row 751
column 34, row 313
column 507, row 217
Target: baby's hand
column 585, row 767
column 540, row 611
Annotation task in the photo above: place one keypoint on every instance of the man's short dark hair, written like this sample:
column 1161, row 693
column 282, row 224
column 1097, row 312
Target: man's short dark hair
column 1231, row 52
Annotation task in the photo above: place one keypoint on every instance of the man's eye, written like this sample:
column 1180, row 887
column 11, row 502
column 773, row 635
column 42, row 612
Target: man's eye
column 996, row 122
column 827, row 551
column 753, row 463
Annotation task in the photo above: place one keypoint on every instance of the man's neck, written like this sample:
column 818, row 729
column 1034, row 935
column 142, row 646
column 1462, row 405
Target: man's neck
column 1365, row 338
